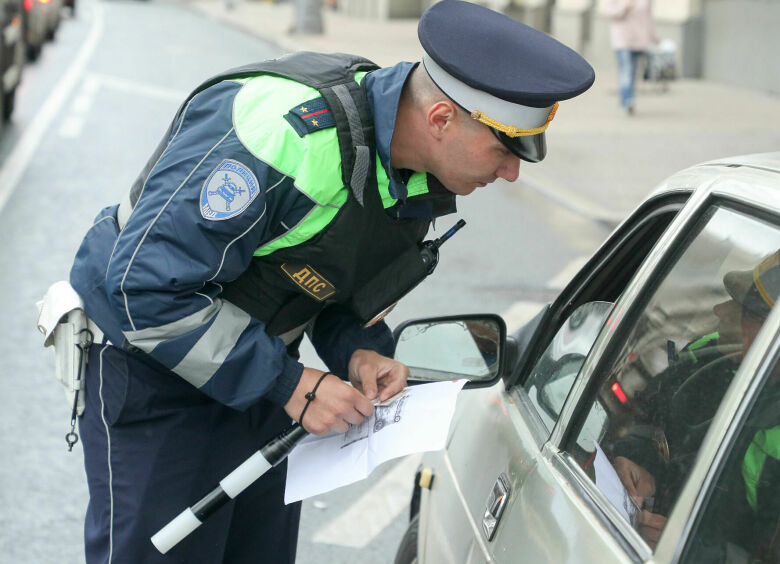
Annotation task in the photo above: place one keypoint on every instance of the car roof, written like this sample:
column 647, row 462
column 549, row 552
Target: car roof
column 766, row 161
column 765, row 165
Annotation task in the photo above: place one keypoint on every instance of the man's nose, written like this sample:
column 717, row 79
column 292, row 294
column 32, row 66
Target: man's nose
column 726, row 310
column 509, row 169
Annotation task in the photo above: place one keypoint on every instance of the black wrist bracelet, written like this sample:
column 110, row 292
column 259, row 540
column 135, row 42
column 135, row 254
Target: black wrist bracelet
column 310, row 396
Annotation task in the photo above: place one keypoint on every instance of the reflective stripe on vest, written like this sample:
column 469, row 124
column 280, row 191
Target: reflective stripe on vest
column 765, row 443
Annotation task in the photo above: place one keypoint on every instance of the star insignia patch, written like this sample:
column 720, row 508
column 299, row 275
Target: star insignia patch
column 310, row 116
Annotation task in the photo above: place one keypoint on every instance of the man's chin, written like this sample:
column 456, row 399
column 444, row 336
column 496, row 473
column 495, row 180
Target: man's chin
column 462, row 189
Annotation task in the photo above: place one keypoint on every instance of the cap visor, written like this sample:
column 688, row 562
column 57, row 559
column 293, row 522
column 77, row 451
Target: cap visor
column 530, row 148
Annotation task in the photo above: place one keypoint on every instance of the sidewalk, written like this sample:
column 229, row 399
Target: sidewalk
column 600, row 162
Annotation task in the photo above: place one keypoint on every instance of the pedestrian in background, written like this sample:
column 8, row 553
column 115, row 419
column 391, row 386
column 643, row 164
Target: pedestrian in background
column 632, row 33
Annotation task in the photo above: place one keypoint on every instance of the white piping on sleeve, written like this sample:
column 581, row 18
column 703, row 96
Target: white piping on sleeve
column 151, row 170
column 277, row 184
column 224, row 253
column 110, row 471
column 149, row 228
column 178, row 129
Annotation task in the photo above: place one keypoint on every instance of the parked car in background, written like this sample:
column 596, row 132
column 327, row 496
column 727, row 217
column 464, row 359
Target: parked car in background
column 40, row 22
column 11, row 54
column 637, row 417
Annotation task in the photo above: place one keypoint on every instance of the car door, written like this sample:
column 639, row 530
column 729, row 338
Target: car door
column 498, row 433
column 617, row 479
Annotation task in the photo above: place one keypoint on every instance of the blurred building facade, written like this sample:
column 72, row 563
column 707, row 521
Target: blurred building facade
column 732, row 41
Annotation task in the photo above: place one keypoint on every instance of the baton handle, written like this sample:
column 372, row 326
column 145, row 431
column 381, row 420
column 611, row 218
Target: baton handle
column 271, row 454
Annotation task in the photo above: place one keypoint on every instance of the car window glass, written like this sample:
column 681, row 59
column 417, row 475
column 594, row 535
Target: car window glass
column 553, row 375
column 647, row 413
column 740, row 519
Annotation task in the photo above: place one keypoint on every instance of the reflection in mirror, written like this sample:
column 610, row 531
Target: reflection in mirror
column 554, row 374
column 455, row 348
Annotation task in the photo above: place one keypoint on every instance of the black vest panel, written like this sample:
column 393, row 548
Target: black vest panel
column 287, row 288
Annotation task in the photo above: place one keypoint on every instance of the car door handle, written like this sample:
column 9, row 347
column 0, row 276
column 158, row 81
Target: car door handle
column 495, row 505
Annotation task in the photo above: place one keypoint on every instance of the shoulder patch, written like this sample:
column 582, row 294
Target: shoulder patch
column 310, row 116
column 228, row 190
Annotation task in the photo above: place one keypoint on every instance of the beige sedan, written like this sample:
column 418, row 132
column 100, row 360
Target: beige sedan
column 637, row 417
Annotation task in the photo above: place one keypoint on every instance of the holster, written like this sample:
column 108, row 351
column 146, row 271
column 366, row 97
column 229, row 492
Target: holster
column 63, row 322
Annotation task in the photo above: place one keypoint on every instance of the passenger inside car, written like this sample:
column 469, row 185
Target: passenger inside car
column 668, row 364
column 653, row 457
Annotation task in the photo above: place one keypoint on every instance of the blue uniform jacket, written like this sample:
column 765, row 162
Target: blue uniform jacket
column 156, row 285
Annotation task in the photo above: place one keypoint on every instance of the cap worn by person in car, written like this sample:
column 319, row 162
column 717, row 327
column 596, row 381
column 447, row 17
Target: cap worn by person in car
column 506, row 74
column 756, row 290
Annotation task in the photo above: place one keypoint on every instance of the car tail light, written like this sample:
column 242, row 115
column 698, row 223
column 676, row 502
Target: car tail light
column 28, row 5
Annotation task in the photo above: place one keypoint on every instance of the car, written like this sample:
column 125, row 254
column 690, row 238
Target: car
column 40, row 21
column 11, row 54
column 636, row 418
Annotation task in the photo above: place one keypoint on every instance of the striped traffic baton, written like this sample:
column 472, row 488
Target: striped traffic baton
column 229, row 487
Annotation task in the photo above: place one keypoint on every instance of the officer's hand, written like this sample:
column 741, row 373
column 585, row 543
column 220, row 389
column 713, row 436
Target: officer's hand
column 373, row 374
column 335, row 404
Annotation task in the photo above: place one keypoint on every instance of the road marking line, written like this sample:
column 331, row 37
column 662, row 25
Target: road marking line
column 132, row 86
column 17, row 161
column 374, row 510
column 73, row 123
column 560, row 280
column 71, row 126
column 519, row 313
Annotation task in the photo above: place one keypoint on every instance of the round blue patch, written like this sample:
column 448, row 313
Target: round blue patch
column 228, row 191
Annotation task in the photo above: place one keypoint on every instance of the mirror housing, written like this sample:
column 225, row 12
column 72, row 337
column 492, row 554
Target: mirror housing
column 437, row 349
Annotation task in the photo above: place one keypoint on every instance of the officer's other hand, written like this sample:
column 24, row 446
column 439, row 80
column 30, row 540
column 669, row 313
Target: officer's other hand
column 373, row 374
column 335, row 404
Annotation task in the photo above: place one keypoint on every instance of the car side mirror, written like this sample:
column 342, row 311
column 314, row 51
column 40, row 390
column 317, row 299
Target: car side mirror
column 446, row 348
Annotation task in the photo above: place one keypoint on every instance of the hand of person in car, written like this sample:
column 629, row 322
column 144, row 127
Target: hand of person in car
column 335, row 404
column 375, row 375
column 640, row 485
column 650, row 526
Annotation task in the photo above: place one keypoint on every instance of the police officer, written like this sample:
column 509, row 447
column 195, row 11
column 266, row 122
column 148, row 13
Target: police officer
column 278, row 192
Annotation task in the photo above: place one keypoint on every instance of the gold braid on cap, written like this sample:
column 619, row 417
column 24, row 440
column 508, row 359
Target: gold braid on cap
column 757, row 272
column 511, row 130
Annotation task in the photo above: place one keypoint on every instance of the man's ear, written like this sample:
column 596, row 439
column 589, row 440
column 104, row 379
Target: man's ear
column 441, row 118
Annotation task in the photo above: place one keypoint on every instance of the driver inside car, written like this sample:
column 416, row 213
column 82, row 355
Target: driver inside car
column 681, row 408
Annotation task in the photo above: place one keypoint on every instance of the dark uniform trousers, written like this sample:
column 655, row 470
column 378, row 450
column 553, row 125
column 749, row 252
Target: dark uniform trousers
column 154, row 445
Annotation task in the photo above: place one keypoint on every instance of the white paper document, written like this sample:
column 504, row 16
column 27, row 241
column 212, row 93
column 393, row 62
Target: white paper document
column 608, row 481
column 418, row 420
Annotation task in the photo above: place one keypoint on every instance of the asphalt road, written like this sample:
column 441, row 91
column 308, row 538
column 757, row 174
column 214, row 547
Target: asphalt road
column 89, row 112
